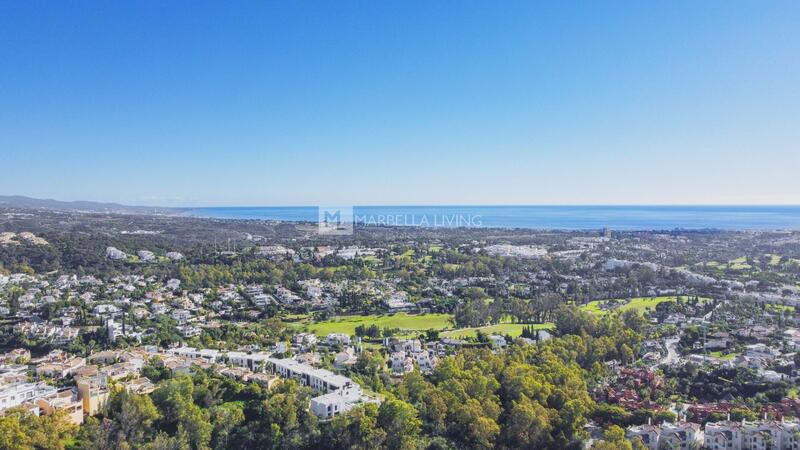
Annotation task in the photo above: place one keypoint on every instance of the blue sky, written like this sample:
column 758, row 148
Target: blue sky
column 431, row 102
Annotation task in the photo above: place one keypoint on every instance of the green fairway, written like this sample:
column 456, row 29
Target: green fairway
column 777, row 307
column 641, row 304
column 370, row 258
column 734, row 264
column 403, row 321
column 725, row 356
column 410, row 324
column 407, row 255
column 513, row 329
column 739, row 264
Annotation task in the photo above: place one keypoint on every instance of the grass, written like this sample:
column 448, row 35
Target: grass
column 792, row 392
column 640, row 304
column 734, row 264
column 513, row 329
column 739, row 264
column 407, row 255
column 410, row 323
column 777, row 307
column 725, row 356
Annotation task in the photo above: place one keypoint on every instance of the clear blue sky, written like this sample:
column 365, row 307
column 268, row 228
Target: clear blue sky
column 375, row 102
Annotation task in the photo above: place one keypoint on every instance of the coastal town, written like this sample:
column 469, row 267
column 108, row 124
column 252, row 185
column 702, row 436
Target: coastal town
column 416, row 225
column 692, row 337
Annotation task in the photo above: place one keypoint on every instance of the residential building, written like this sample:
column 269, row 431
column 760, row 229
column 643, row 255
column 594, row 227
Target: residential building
column 338, row 402
column 93, row 393
column 17, row 393
column 66, row 400
column 337, row 338
column 729, row 435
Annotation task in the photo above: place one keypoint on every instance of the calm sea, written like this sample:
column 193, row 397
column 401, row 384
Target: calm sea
column 542, row 217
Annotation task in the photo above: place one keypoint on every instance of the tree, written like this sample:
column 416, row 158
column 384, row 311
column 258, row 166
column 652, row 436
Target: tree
column 400, row 422
column 358, row 429
column 132, row 417
column 21, row 430
column 225, row 419
column 527, row 426
column 284, row 420
column 155, row 370
column 570, row 320
column 606, row 414
column 613, row 439
column 175, row 399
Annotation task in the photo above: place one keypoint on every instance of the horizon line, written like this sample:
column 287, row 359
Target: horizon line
column 417, row 205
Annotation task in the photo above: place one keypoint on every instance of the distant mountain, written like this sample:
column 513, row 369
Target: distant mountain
column 19, row 201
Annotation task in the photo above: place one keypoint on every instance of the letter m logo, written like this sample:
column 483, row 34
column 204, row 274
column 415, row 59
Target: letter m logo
column 335, row 220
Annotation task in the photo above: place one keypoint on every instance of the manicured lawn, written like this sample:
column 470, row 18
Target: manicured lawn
column 513, row 329
column 723, row 356
column 739, row 264
column 777, row 307
column 407, row 255
column 403, row 321
column 410, row 324
column 734, row 264
column 594, row 307
column 641, row 304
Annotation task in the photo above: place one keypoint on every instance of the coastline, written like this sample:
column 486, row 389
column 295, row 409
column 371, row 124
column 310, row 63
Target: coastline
column 565, row 218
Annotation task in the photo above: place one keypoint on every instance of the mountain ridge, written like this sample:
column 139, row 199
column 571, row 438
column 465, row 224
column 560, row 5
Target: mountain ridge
column 21, row 201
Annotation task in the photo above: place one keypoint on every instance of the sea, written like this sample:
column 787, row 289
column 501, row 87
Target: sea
column 537, row 217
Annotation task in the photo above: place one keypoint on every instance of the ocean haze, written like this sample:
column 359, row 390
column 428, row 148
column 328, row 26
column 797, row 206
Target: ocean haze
column 643, row 217
column 535, row 217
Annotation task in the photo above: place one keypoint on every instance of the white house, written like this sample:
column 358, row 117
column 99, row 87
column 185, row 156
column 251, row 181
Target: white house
column 345, row 358
column 15, row 394
column 335, row 403
column 305, row 339
column 181, row 316
column 728, row 435
column 426, row 361
column 318, row 379
column 680, row 435
column 337, row 338
column 253, row 361
column 401, row 363
column 497, row 341
column 146, row 255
